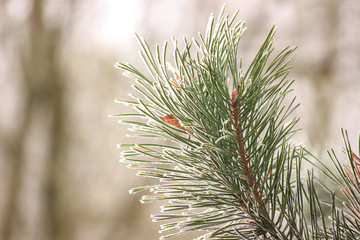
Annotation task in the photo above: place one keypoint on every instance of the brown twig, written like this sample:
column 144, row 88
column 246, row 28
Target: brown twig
column 245, row 161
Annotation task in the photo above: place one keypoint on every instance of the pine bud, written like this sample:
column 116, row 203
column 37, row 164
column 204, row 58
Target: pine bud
column 234, row 94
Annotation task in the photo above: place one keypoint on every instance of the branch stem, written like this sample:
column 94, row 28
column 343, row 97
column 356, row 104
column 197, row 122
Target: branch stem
column 245, row 161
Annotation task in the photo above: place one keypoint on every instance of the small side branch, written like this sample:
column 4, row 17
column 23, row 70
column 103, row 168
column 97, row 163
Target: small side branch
column 245, row 161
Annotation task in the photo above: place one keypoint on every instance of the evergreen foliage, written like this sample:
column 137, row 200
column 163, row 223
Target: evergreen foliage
column 228, row 168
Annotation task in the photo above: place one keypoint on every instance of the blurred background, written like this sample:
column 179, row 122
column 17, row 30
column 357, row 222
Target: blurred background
column 59, row 172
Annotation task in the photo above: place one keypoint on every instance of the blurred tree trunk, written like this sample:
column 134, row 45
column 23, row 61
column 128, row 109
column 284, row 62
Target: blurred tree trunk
column 324, row 77
column 43, row 112
column 320, row 64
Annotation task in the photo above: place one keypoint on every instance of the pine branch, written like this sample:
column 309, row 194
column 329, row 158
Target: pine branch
column 227, row 166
